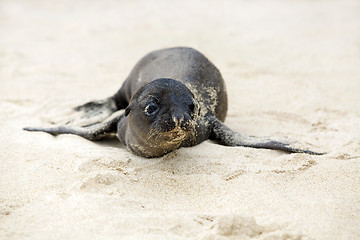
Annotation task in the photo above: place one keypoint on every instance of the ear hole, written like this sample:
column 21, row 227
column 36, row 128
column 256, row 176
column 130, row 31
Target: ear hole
column 127, row 110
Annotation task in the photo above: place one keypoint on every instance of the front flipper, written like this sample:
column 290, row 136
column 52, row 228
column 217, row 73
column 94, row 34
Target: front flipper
column 92, row 112
column 225, row 136
column 93, row 132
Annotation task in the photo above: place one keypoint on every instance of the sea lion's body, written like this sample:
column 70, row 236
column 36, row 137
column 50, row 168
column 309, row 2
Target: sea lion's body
column 172, row 98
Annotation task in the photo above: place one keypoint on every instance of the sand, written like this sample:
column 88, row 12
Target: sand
column 291, row 69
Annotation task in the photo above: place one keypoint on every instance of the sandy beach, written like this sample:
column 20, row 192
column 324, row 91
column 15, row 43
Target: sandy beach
column 291, row 69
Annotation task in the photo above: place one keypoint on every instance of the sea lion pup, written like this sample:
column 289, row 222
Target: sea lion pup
column 172, row 98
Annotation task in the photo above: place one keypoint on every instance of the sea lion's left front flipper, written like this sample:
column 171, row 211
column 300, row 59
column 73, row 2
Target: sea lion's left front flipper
column 225, row 136
column 93, row 132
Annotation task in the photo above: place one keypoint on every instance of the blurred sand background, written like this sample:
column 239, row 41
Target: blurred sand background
column 292, row 68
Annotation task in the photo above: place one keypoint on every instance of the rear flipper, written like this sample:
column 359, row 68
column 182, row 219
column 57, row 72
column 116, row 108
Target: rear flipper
column 225, row 136
column 93, row 132
column 92, row 112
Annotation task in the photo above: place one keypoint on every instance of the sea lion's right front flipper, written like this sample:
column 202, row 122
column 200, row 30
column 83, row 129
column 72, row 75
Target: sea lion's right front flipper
column 225, row 136
column 93, row 132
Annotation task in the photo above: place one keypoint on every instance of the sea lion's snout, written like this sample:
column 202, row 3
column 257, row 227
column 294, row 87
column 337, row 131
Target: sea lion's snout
column 177, row 128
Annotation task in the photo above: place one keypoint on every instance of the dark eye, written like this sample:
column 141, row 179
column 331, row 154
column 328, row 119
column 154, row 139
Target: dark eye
column 151, row 109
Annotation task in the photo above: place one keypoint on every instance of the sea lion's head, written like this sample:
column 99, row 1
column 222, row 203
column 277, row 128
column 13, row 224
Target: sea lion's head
column 161, row 116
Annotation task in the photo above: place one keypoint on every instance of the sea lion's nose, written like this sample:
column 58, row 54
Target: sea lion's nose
column 181, row 120
column 177, row 120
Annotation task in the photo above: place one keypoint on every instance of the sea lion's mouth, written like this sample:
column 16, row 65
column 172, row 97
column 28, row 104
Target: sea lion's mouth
column 172, row 137
column 175, row 135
